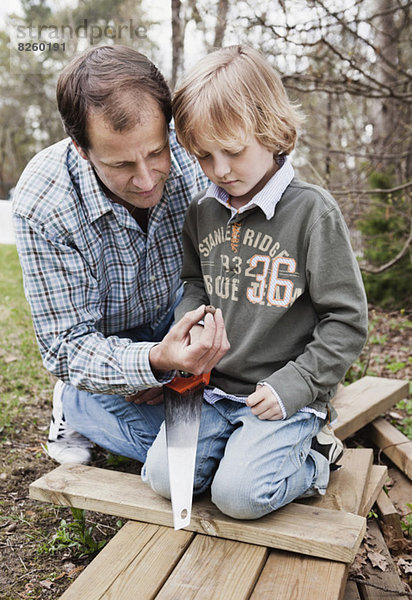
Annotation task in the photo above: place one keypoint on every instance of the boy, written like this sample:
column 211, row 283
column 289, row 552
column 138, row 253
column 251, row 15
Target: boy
column 274, row 254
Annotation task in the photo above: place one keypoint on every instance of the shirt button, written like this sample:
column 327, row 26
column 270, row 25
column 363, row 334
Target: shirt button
column 157, row 306
column 153, row 278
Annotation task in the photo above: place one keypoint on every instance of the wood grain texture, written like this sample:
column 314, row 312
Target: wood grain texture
column 393, row 443
column 389, row 514
column 346, row 489
column 215, row 569
column 151, row 567
column 362, row 401
column 351, row 591
column 314, row 531
column 388, row 579
column 287, row 576
column 140, row 554
column 377, row 478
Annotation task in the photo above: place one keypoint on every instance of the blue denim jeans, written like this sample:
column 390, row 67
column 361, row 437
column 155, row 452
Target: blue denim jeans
column 108, row 420
column 252, row 467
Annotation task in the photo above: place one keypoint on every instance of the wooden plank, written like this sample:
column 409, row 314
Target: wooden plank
column 388, row 579
column 150, row 569
column 389, row 514
column 351, row 591
column 213, row 569
column 303, row 529
column 399, row 490
column 393, row 443
column 378, row 476
column 139, row 554
column 347, row 486
column 362, row 401
column 288, row 576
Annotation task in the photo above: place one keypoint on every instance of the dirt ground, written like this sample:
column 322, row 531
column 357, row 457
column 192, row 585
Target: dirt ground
column 30, row 569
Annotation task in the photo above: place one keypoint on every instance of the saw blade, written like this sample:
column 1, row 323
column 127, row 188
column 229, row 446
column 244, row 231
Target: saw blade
column 182, row 419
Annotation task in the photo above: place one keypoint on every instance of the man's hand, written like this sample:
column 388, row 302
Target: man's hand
column 177, row 351
column 264, row 404
column 151, row 396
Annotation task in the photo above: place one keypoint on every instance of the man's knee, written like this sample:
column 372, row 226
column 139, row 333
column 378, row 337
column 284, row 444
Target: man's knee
column 155, row 471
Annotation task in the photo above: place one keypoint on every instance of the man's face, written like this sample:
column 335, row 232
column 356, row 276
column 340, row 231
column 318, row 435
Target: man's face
column 134, row 164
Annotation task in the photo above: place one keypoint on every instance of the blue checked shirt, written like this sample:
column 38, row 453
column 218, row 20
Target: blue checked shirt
column 90, row 271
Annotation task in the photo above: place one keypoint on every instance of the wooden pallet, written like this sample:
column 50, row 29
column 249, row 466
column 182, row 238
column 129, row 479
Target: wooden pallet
column 263, row 561
column 157, row 562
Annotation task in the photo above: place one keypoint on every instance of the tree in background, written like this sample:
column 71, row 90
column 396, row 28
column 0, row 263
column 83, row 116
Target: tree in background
column 347, row 65
column 210, row 19
column 29, row 119
column 385, row 227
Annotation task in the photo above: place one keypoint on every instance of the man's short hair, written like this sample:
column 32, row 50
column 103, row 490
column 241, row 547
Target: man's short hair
column 231, row 96
column 114, row 81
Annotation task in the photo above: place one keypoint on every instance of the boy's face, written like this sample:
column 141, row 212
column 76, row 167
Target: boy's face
column 241, row 174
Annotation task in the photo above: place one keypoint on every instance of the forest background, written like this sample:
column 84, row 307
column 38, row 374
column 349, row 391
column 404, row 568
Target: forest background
column 348, row 68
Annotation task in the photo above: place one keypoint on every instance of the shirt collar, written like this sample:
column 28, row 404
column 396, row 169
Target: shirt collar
column 266, row 199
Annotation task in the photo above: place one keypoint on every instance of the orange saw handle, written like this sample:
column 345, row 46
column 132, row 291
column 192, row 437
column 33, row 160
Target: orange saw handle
column 183, row 384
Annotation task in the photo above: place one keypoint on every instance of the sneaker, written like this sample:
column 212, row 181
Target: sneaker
column 64, row 444
column 327, row 444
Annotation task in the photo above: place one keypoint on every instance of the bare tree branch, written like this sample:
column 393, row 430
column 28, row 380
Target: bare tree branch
column 398, row 188
column 375, row 270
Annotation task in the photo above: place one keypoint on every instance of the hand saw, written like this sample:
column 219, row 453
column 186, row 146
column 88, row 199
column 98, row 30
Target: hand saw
column 183, row 398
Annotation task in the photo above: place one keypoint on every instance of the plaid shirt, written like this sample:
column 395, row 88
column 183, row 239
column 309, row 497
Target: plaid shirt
column 90, row 271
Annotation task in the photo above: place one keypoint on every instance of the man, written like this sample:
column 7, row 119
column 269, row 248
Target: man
column 98, row 220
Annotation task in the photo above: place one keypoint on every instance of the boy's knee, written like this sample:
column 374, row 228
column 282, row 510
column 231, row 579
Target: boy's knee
column 246, row 498
column 238, row 501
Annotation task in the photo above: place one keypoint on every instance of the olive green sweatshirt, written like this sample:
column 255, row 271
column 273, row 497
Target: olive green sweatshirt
column 289, row 288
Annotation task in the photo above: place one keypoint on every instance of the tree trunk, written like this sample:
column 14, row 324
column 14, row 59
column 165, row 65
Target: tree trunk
column 221, row 23
column 386, row 124
column 178, row 32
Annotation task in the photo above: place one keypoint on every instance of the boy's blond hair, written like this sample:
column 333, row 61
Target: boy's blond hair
column 231, row 96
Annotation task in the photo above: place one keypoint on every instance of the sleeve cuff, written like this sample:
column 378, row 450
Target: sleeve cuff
column 274, row 392
column 137, row 369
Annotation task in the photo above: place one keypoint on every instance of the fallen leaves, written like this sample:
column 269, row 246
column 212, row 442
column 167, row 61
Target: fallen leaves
column 377, row 560
column 405, row 566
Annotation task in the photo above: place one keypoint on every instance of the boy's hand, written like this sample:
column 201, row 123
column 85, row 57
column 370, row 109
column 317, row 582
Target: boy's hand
column 178, row 351
column 264, row 404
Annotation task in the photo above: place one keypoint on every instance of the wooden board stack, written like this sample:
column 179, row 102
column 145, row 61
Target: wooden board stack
column 301, row 551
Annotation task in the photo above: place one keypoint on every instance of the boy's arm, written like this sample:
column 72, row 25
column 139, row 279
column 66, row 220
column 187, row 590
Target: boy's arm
column 338, row 296
column 195, row 293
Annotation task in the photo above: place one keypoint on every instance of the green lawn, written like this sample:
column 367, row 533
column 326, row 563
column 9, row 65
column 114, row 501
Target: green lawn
column 22, row 376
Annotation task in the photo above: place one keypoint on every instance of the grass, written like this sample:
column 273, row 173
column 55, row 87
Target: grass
column 22, row 375
column 76, row 535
